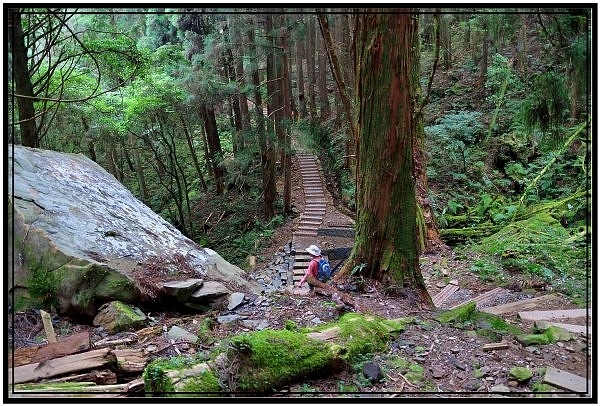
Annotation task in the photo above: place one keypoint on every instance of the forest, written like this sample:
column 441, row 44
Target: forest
column 463, row 124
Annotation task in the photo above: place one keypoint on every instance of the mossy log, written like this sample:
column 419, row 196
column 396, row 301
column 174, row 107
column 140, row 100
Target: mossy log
column 262, row 361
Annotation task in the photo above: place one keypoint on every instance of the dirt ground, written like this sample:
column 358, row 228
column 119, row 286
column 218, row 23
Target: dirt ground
column 452, row 361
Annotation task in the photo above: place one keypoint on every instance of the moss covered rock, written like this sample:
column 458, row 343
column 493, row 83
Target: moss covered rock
column 520, row 374
column 460, row 314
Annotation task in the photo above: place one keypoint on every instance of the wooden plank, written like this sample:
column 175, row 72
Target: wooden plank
column 130, row 360
column 495, row 346
column 444, row 294
column 524, row 304
column 59, row 366
column 567, row 380
column 554, row 314
column 572, row 328
column 73, row 344
column 47, row 321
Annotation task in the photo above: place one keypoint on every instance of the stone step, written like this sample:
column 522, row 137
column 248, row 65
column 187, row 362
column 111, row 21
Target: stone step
column 310, row 222
column 306, row 233
column 315, row 208
column 309, row 228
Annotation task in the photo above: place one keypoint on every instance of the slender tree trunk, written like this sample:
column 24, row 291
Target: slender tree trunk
column 190, row 143
column 386, row 228
column 214, row 147
column 310, row 67
column 139, row 168
column 337, row 71
column 267, row 157
column 322, row 82
column 300, row 70
column 522, row 45
column 23, row 86
column 285, row 99
column 483, row 66
column 446, row 41
column 241, row 84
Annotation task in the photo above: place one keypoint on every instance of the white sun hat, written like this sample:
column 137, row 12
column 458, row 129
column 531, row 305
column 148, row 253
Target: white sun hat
column 314, row 250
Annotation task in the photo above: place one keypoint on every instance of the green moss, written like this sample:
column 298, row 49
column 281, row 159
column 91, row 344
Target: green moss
column 542, row 387
column 521, row 374
column 496, row 324
column 277, row 357
column 165, row 376
column 542, row 247
column 399, row 363
column 460, row 314
column 533, row 339
column 43, row 286
column 556, row 333
column 291, row 325
column 551, row 334
column 64, row 386
column 361, row 334
column 205, row 382
column 156, row 379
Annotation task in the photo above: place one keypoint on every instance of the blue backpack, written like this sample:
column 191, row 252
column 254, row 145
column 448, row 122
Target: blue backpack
column 324, row 272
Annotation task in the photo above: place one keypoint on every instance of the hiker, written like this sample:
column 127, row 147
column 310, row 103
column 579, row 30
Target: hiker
column 313, row 266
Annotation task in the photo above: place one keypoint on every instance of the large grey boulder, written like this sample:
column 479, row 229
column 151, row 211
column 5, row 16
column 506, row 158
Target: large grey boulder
column 78, row 239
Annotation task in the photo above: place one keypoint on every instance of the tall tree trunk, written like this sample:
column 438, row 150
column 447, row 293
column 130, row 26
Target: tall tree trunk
column 386, row 228
column 238, row 54
column 23, row 86
column 310, row 67
column 286, row 115
column 483, row 66
column 190, row 143
column 446, row 41
column 337, row 71
column 267, row 154
column 139, row 168
column 322, row 82
column 214, row 147
column 300, row 70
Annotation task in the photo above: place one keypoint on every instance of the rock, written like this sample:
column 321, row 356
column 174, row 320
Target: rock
column 177, row 333
column 209, row 290
column 117, row 316
column 181, row 290
column 88, row 240
column 372, row 372
column 229, row 318
column 500, row 388
column 472, row 385
column 521, row 374
column 438, row 372
column 255, row 324
column 235, row 299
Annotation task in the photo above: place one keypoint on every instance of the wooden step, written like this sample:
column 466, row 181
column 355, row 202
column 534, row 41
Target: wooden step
column 444, row 294
column 525, row 304
column 554, row 314
column 306, row 233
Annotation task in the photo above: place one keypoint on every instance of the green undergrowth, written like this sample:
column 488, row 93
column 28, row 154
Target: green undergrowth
column 538, row 247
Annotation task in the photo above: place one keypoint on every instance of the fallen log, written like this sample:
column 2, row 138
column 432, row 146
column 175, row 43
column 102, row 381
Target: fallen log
column 61, row 366
column 71, row 345
column 262, row 361
column 130, row 360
